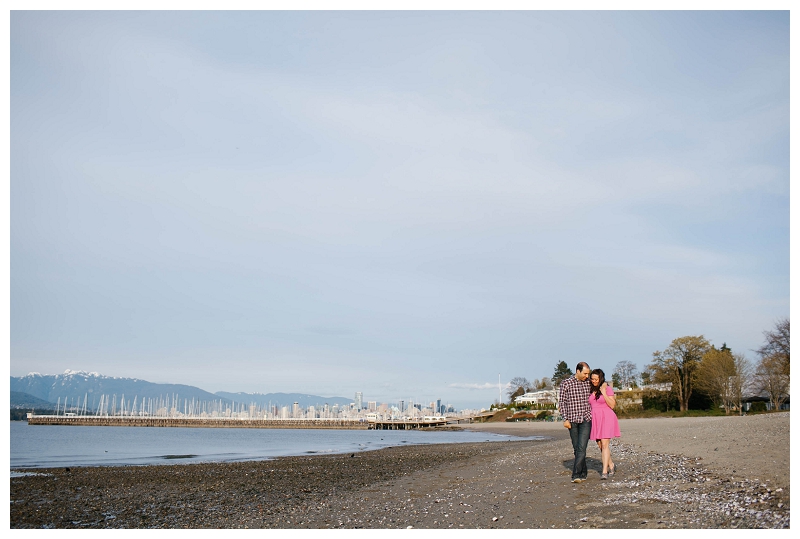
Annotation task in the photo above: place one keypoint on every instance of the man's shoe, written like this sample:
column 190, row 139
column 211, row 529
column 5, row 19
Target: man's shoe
column 576, row 479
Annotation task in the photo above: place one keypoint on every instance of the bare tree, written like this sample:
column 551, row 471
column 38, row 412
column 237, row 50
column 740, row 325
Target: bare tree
column 723, row 376
column 626, row 372
column 741, row 382
column 776, row 344
column 545, row 383
column 677, row 364
column 516, row 387
column 770, row 378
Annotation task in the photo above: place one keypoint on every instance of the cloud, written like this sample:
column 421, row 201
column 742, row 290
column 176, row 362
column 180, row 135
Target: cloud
column 332, row 218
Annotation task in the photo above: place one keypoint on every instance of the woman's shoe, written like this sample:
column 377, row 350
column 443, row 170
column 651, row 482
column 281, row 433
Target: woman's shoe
column 604, row 476
column 612, row 470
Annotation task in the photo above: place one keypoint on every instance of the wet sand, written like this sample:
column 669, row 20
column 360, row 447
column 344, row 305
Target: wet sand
column 720, row 472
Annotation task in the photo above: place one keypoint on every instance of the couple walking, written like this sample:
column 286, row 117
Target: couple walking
column 587, row 404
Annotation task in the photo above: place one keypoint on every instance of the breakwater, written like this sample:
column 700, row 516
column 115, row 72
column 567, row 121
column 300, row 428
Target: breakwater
column 197, row 422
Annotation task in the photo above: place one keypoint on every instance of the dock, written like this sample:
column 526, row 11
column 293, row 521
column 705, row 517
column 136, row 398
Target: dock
column 196, row 422
column 242, row 423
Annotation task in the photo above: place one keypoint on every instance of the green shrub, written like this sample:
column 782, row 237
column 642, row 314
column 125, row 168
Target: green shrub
column 662, row 401
column 758, row 406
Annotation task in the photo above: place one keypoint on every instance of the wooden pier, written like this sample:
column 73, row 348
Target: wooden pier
column 407, row 424
column 243, row 423
column 196, row 422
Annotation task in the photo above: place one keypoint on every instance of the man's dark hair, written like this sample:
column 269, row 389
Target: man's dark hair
column 582, row 365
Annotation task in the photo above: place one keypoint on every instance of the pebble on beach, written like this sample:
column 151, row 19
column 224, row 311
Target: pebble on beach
column 516, row 484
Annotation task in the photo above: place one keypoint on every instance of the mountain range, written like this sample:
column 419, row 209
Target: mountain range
column 75, row 386
column 25, row 401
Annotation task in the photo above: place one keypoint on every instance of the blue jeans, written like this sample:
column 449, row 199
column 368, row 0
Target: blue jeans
column 579, row 434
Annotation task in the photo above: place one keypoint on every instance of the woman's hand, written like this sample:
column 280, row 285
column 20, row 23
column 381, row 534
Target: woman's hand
column 603, row 388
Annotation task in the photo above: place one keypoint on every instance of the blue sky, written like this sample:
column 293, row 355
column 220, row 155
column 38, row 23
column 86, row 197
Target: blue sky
column 405, row 204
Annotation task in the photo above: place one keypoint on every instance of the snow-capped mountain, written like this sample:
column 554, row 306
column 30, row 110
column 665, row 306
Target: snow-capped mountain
column 88, row 385
column 79, row 386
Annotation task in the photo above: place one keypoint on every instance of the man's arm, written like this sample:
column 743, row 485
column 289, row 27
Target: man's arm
column 563, row 401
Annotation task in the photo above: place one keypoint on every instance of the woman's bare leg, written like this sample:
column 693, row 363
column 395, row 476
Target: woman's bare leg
column 606, row 453
column 611, row 465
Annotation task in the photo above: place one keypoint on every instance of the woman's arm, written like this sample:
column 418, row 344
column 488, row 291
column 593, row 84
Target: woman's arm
column 611, row 400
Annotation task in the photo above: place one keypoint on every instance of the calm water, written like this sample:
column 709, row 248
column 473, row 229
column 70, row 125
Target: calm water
column 37, row 446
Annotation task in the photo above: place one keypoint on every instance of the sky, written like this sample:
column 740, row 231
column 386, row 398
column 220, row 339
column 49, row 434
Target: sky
column 414, row 205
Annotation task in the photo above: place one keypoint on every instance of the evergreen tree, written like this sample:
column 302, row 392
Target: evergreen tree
column 561, row 373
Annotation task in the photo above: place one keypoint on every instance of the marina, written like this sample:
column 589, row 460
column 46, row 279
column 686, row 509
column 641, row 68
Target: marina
column 245, row 422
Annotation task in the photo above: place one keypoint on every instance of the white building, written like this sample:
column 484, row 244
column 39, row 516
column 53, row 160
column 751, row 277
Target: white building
column 667, row 386
column 544, row 396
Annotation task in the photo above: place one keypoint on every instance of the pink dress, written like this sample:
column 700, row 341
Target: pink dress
column 604, row 420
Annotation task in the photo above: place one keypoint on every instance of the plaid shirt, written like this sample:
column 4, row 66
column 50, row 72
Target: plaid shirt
column 573, row 400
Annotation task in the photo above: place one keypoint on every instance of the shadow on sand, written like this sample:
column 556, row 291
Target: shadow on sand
column 593, row 465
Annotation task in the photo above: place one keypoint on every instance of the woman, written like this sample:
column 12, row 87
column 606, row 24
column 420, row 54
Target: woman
column 604, row 421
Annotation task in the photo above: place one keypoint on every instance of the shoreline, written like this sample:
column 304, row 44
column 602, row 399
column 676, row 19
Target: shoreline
column 669, row 477
column 38, row 447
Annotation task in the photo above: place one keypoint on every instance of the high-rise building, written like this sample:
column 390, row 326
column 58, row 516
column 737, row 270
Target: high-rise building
column 359, row 400
column 438, row 406
column 372, row 406
column 402, row 406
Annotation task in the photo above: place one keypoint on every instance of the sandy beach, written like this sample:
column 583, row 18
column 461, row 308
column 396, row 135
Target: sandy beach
column 714, row 472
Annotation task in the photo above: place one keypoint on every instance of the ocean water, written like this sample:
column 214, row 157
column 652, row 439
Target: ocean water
column 40, row 446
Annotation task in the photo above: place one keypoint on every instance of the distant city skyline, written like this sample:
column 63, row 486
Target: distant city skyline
column 409, row 201
column 62, row 386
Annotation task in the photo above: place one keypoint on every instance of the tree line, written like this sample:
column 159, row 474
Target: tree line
column 694, row 369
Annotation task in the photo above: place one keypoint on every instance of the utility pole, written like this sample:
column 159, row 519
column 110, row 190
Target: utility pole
column 499, row 390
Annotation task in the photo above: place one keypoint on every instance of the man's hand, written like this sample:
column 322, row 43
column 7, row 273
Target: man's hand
column 567, row 424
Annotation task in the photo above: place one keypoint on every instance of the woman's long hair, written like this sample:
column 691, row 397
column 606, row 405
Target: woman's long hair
column 600, row 381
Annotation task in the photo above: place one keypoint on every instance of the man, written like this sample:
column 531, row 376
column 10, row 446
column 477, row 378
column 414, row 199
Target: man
column 573, row 403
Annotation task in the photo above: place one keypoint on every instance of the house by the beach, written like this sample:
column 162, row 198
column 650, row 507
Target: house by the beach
column 762, row 396
column 544, row 396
